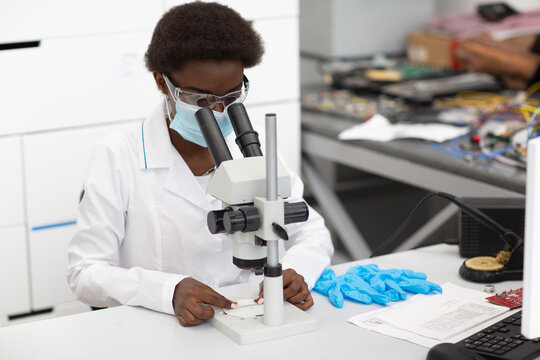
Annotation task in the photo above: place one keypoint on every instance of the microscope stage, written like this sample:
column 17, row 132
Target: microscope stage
column 253, row 330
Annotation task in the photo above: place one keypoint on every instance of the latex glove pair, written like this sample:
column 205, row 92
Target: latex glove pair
column 367, row 284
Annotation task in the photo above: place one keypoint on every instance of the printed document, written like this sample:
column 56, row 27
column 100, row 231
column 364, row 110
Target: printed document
column 431, row 319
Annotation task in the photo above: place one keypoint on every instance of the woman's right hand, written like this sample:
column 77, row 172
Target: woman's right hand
column 192, row 300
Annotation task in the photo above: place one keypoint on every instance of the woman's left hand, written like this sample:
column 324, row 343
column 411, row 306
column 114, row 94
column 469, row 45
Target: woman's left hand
column 295, row 290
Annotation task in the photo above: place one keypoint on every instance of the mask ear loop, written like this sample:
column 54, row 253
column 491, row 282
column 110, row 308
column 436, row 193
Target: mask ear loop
column 167, row 109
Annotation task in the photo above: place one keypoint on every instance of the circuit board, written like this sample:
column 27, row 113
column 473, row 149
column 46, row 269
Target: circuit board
column 511, row 299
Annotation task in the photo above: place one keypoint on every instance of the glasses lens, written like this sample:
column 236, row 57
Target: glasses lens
column 209, row 100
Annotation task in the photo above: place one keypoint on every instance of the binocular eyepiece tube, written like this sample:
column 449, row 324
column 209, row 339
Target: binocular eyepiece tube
column 247, row 139
column 212, row 136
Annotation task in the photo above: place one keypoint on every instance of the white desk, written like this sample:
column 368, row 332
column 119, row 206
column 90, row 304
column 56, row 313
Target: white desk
column 136, row 333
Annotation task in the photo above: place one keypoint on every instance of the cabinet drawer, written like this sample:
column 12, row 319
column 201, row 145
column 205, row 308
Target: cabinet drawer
column 288, row 129
column 48, row 264
column 11, row 191
column 14, row 281
column 277, row 78
column 75, row 81
column 54, row 168
column 38, row 20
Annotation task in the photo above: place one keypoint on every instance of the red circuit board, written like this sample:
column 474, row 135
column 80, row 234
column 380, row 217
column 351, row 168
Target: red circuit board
column 511, row 299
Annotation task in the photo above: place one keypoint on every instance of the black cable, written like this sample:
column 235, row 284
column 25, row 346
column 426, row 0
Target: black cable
column 506, row 235
column 392, row 238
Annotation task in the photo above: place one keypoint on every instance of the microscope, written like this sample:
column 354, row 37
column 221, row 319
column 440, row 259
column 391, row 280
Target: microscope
column 254, row 214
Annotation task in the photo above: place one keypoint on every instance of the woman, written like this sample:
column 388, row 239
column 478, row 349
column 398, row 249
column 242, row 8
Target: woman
column 142, row 238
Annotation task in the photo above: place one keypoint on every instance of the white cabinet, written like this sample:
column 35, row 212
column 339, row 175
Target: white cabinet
column 288, row 129
column 54, row 168
column 48, row 264
column 277, row 77
column 15, row 294
column 70, row 82
column 37, row 19
column 11, row 189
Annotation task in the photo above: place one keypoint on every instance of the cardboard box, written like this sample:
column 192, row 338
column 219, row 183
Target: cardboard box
column 431, row 49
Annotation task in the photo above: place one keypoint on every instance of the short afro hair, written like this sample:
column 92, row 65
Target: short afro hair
column 202, row 31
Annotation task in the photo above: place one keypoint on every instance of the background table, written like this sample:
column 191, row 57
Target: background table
column 408, row 161
column 135, row 333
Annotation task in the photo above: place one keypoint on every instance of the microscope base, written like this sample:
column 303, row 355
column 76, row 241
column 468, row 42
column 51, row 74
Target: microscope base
column 249, row 331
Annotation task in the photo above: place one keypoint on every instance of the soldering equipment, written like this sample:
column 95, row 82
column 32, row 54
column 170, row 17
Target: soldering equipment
column 254, row 214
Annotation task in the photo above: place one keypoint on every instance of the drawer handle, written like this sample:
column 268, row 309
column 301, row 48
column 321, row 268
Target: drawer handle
column 20, row 45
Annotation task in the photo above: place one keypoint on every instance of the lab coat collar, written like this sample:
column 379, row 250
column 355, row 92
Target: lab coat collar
column 155, row 147
column 156, row 151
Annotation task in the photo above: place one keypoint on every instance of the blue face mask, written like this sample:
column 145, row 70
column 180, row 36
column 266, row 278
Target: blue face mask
column 185, row 123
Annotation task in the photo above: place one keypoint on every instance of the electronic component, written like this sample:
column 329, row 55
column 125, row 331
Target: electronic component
column 426, row 90
column 346, row 104
column 510, row 299
column 477, row 240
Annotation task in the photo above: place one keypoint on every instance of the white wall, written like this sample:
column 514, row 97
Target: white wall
column 84, row 80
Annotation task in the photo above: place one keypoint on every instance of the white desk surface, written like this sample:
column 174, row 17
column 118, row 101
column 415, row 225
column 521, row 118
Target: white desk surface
column 135, row 333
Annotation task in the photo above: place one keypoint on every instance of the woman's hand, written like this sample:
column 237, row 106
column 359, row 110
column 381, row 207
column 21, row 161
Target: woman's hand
column 295, row 290
column 192, row 300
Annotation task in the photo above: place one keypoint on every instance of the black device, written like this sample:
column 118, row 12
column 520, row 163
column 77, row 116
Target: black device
column 477, row 240
column 483, row 269
column 495, row 12
column 503, row 340
column 448, row 351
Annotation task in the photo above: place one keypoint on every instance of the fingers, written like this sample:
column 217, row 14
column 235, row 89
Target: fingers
column 302, row 295
column 188, row 318
column 292, row 283
column 210, row 297
column 295, row 290
column 306, row 304
column 192, row 300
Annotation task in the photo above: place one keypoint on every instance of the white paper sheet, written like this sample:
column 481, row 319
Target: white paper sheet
column 409, row 320
column 378, row 128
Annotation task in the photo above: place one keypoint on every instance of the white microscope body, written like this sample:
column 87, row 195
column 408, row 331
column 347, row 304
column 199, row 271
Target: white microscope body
column 254, row 216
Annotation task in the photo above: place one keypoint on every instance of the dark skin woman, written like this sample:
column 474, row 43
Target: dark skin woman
column 216, row 74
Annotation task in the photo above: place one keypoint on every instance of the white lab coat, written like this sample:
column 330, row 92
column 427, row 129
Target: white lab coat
column 141, row 227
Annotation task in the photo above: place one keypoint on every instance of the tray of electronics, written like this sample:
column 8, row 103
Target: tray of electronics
column 500, row 120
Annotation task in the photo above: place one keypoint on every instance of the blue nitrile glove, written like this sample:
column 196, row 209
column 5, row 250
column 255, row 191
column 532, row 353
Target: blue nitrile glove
column 363, row 287
column 352, row 287
column 368, row 283
column 328, row 285
column 400, row 280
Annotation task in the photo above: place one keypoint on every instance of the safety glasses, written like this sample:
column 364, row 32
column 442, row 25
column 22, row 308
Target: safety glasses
column 207, row 100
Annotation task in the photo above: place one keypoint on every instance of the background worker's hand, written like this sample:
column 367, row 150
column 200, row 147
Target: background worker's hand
column 295, row 290
column 514, row 65
column 191, row 302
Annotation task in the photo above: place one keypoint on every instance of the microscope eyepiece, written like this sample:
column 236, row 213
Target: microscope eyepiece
column 247, row 139
column 212, row 136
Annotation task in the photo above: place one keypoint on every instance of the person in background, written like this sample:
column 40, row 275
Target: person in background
column 142, row 237
column 518, row 67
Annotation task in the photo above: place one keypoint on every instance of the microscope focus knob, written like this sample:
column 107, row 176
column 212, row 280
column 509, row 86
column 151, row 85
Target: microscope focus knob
column 245, row 219
column 296, row 212
column 214, row 221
